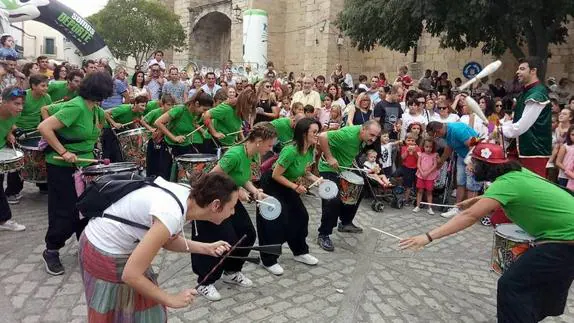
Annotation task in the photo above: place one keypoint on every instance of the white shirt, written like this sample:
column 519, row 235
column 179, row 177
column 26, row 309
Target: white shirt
column 138, row 206
column 408, row 119
column 211, row 91
column 386, row 155
column 531, row 112
column 312, row 98
column 450, row 118
column 478, row 126
column 154, row 61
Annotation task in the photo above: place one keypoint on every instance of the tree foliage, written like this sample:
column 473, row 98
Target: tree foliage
column 138, row 27
column 526, row 28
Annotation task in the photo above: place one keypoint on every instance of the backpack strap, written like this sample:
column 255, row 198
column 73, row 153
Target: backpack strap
column 151, row 183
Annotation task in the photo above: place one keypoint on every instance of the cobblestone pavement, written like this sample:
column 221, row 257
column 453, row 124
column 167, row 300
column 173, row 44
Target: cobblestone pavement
column 366, row 279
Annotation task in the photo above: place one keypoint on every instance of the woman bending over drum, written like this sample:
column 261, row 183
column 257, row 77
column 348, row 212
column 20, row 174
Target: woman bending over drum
column 156, row 145
column 284, row 183
column 115, row 258
column 10, row 109
column 120, row 117
column 71, row 133
column 183, row 129
column 237, row 163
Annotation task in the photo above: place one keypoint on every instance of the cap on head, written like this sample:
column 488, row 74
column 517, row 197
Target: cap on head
column 489, row 153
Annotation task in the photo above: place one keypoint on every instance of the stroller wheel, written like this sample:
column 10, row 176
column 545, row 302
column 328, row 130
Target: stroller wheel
column 377, row 206
column 398, row 203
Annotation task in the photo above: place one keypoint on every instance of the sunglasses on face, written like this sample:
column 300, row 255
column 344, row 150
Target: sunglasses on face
column 267, row 86
column 442, row 108
column 499, row 105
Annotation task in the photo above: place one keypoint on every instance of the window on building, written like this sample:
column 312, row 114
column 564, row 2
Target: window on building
column 49, row 46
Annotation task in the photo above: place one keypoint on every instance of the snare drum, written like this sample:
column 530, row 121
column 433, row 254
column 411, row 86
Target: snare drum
column 351, row 186
column 510, row 242
column 190, row 167
column 133, row 145
column 34, row 170
column 93, row 172
column 10, row 160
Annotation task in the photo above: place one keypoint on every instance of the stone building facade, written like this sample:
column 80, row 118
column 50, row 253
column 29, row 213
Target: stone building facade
column 303, row 38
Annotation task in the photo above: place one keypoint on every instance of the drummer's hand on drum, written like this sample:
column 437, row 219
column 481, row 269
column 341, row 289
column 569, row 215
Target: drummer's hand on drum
column 333, row 163
column 243, row 195
column 179, row 139
column 11, row 139
column 218, row 135
column 300, row 189
column 468, row 203
column 260, row 195
column 70, row 157
column 117, row 125
column 414, row 243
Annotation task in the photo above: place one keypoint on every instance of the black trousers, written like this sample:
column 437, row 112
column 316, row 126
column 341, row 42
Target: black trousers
column 14, row 184
column 536, row 285
column 291, row 226
column 63, row 217
column 111, row 146
column 154, row 154
column 231, row 230
column 5, row 212
column 332, row 210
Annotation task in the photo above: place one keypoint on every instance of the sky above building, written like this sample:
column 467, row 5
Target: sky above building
column 85, row 7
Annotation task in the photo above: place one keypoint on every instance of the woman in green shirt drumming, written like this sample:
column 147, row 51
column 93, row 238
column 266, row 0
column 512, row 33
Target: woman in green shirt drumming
column 71, row 133
column 237, row 163
column 284, row 183
column 178, row 123
column 156, row 147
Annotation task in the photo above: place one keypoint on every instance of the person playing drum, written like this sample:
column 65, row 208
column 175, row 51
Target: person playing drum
column 10, row 109
column 537, row 284
column 117, row 118
column 237, row 163
column 285, row 129
column 178, row 123
column 115, row 258
column 340, row 148
column 156, row 144
column 71, row 133
column 62, row 91
column 283, row 182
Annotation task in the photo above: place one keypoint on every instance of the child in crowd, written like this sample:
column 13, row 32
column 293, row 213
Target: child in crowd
column 374, row 170
column 427, row 172
column 565, row 158
column 285, row 107
column 324, row 113
column 297, row 108
column 408, row 170
column 309, row 111
column 387, row 147
column 335, row 118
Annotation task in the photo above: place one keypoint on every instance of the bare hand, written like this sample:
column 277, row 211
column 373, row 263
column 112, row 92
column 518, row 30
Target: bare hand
column 468, row 203
column 11, row 138
column 300, row 189
column 182, row 299
column 333, row 163
column 179, row 139
column 414, row 243
column 243, row 195
column 70, row 157
column 218, row 135
column 116, row 125
column 260, row 195
column 157, row 136
column 216, row 249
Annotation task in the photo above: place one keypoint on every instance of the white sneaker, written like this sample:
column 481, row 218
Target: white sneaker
column 12, row 225
column 276, row 269
column 209, row 292
column 450, row 213
column 430, row 211
column 416, row 209
column 307, row 259
column 14, row 199
column 238, row 279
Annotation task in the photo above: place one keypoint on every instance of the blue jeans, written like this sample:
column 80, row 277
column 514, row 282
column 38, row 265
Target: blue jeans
column 466, row 178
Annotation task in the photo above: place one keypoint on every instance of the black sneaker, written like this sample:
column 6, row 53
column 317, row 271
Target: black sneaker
column 325, row 243
column 351, row 228
column 52, row 263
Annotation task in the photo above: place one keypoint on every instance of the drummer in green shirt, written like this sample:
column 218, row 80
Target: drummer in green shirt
column 10, row 109
column 177, row 124
column 537, row 284
column 122, row 116
column 285, row 129
column 152, row 105
column 285, row 184
column 237, row 162
column 72, row 133
column 61, row 91
column 156, row 145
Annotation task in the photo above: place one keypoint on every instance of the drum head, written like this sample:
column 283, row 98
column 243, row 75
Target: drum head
column 109, row 169
column 328, row 190
column 132, row 132
column 8, row 155
column 196, row 158
column 270, row 212
column 30, row 143
column 512, row 232
column 352, row 178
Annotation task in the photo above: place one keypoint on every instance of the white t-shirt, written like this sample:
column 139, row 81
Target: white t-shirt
column 408, row 119
column 478, row 126
column 386, row 155
column 138, row 206
column 451, row 118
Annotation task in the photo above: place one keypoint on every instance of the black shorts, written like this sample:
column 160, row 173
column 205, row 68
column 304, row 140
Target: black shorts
column 409, row 176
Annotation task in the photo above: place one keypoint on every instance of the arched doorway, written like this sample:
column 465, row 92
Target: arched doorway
column 211, row 40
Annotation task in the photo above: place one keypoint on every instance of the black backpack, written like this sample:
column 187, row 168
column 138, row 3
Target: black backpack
column 108, row 189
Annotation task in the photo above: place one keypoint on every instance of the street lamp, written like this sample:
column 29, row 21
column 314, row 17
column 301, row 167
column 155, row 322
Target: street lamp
column 237, row 13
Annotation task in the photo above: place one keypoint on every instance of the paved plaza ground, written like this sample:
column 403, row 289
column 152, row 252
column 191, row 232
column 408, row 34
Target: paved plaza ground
column 366, row 279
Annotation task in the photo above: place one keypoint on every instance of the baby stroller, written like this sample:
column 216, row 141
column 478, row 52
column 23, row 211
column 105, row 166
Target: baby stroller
column 445, row 182
column 392, row 195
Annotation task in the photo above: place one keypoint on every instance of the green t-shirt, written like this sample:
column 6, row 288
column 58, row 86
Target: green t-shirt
column 123, row 114
column 295, row 163
column 542, row 209
column 237, row 165
column 151, row 105
column 284, row 129
column 345, row 145
column 58, row 90
column 225, row 120
column 152, row 116
column 31, row 117
column 80, row 123
column 5, row 129
column 182, row 123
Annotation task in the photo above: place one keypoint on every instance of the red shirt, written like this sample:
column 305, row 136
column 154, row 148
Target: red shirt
column 411, row 160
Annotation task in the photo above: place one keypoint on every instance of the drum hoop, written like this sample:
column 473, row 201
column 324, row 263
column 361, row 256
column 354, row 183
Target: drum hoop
column 512, row 238
column 24, row 146
column 19, row 156
column 353, row 179
column 196, row 158
column 109, row 169
column 137, row 131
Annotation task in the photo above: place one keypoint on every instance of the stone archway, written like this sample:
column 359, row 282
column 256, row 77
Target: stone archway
column 210, row 42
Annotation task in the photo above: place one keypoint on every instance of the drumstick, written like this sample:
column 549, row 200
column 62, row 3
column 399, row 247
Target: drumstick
column 386, row 233
column 265, row 203
column 357, row 169
column 105, row 161
column 234, row 133
column 221, row 261
column 194, row 131
column 434, row 204
column 315, row 182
